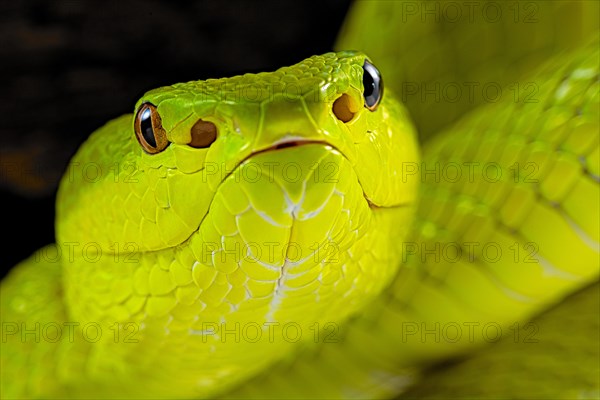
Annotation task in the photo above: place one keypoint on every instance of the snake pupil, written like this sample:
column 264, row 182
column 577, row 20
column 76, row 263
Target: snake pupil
column 369, row 86
column 146, row 127
column 149, row 131
column 373, row 86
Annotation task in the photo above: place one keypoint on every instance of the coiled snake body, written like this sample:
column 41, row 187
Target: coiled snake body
column 267, row 235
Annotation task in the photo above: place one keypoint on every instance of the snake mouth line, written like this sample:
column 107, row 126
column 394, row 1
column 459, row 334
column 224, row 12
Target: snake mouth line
column 285, row 144
column 282, row 145
column 296, row 142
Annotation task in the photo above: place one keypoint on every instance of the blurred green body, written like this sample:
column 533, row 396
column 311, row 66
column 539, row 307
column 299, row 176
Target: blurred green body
column 528, row 184
column 444, row 58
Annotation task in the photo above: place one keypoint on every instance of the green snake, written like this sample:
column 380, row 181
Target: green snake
column 281, row 234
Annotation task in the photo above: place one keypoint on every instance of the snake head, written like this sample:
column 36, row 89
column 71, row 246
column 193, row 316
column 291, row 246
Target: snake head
column 275, row 197
column 119, row 188
column 291, row 183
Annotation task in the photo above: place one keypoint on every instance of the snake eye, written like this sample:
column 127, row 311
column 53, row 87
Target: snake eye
column 373, row 86
column 149, row 130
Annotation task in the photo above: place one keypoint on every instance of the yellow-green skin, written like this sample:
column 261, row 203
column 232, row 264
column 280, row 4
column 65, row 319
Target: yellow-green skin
column 169, row 217
column 440, row 306
column 189, row 244
column 445, row 57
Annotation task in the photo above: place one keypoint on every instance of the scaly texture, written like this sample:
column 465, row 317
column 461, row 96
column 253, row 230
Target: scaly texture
column 175, row 256
column 490, row 249
column 180, row 274
column 557, row 353
column 444, row 58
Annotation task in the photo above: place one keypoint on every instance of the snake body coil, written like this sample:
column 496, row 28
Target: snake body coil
column 249, row 238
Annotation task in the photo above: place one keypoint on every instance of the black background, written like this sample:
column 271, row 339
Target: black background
column 67, row 67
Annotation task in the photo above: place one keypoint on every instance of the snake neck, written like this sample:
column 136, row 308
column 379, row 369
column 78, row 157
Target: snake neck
column 267, row 270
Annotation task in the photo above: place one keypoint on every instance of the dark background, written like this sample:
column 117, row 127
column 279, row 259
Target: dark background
column 69, row 66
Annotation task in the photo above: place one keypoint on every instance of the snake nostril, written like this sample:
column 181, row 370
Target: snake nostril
column 204, row 133
column 342, row 108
